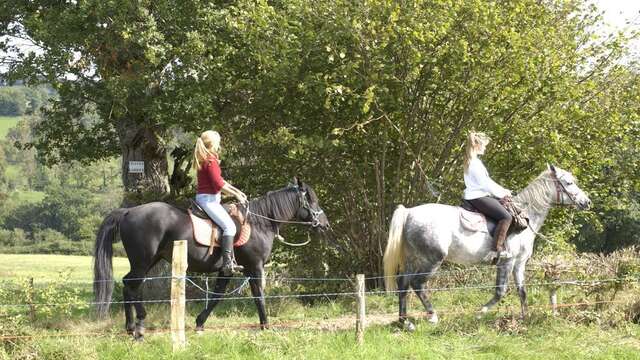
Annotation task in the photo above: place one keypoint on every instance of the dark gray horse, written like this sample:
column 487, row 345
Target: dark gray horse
column 422, row 237
column 148, row 231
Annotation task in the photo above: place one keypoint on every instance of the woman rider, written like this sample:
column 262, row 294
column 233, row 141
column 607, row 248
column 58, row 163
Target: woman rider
column 483, row 193
column 210, row 184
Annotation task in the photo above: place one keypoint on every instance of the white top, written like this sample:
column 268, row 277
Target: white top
column 479, row 184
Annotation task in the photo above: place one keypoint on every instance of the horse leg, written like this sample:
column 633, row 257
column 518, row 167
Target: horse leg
column 127, row 296
column 141, row 313
column 518, row 276
column 502, row 278
column 419, row 288
column 403, row 287
column 257, row 291
column 218, row 293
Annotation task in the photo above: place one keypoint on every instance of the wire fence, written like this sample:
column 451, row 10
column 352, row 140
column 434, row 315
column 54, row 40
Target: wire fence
column 371, row 317
column 477, row 269
column 575, row 282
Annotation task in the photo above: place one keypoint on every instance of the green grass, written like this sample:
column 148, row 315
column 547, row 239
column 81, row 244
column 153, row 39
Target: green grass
column 27, row 196
column 6, row 123
column 48, row 267
column 462, row 337
column 323, row 330
column 12, row 171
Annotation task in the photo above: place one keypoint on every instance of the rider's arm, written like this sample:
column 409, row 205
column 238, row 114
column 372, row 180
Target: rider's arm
column 481, row 176
column 232, row 190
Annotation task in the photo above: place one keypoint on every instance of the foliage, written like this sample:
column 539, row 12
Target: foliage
column 370, row 103
column 367, row 101
column 21, row 100
column 60, row 207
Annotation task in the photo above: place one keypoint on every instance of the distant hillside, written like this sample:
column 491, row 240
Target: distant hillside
column 6, row 123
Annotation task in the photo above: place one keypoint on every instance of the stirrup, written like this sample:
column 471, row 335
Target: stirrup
column 229, row 269
column 491, row 255
column 504, row 255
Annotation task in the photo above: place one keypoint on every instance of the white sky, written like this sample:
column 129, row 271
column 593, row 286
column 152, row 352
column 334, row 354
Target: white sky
column 619, row 12
column 621, row 15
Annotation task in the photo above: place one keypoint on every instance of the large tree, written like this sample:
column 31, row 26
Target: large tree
column 368, row 100
column 372, row 100
column 133, row 63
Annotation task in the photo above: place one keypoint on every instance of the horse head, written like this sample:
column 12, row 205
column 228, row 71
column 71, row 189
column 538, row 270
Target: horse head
column 309, row 210
column 567, row 191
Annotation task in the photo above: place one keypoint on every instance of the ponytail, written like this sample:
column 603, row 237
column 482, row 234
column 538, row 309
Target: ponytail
column 208, row 144
column 474, row 141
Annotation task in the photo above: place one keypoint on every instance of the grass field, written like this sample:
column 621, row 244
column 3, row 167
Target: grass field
column 6, row 123
column 47, row 267
column 28, row 196
column 320, row 330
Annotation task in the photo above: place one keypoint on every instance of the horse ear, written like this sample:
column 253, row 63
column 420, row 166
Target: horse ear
column 299, row 183
column 552, row 168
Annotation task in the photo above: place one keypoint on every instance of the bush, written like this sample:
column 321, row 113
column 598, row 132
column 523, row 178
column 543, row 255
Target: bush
column 13, row 102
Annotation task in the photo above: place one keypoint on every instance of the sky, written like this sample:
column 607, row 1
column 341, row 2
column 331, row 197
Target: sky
column 621, row 14
column 618, row 12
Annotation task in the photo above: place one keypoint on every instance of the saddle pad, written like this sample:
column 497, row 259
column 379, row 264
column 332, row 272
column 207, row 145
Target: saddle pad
column 203, row 229
column 473, row 221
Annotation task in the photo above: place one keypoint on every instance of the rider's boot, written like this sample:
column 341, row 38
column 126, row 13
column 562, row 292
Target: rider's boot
column 500, row 236
column 228, row 262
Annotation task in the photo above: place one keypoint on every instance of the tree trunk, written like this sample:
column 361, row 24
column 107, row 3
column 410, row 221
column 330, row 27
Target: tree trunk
column 140, row 143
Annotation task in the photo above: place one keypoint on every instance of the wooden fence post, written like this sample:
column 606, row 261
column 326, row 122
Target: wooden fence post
column 553, row 299
column 32, row 307
column 178, row 274
column 206, row 295
column 360, row 317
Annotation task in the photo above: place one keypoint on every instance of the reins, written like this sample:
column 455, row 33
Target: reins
column 315, row 214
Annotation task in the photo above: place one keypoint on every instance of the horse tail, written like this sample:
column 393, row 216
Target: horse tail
column 394, row 253
column 102, row 266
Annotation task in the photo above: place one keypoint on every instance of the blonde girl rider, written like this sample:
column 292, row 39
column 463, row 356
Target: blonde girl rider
column 483, row 193
column 210, row 184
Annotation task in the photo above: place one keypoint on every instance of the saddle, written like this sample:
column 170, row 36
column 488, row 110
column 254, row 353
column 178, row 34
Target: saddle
column 473, row 220
column 205, row 233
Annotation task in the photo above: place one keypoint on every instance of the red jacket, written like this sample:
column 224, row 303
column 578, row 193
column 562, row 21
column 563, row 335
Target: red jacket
column 210, row 179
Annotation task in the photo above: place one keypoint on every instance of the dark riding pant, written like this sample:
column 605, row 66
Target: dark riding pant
column 492, row 208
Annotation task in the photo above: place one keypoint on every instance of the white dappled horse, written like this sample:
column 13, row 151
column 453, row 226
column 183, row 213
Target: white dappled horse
column 422, row 237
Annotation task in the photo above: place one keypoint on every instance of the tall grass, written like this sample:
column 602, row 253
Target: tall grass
column 323, row 327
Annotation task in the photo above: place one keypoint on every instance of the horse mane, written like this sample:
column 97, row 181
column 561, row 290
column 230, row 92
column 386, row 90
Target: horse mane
column 536, row 195
column 276, row 204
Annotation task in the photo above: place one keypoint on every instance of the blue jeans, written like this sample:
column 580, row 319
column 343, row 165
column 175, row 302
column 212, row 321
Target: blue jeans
column 211, row 204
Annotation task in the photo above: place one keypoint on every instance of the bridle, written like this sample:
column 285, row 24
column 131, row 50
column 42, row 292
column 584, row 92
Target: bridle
column 560, row 189
column 315, row 214
column 304, row 204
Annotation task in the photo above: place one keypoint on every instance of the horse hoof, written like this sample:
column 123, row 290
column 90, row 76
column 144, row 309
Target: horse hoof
column 130, row 331
column 408, row 326
column 138, row 338
column 482, row 312
column 139, row 333
column 264, row 327
column 199, row 330
column 433, row 318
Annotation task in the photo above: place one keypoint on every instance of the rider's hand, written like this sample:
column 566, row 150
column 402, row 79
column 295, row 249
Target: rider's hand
column 241, row 197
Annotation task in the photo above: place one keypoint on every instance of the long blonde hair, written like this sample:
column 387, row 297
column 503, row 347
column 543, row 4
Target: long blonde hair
column 474, row 141
column 206, row 145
